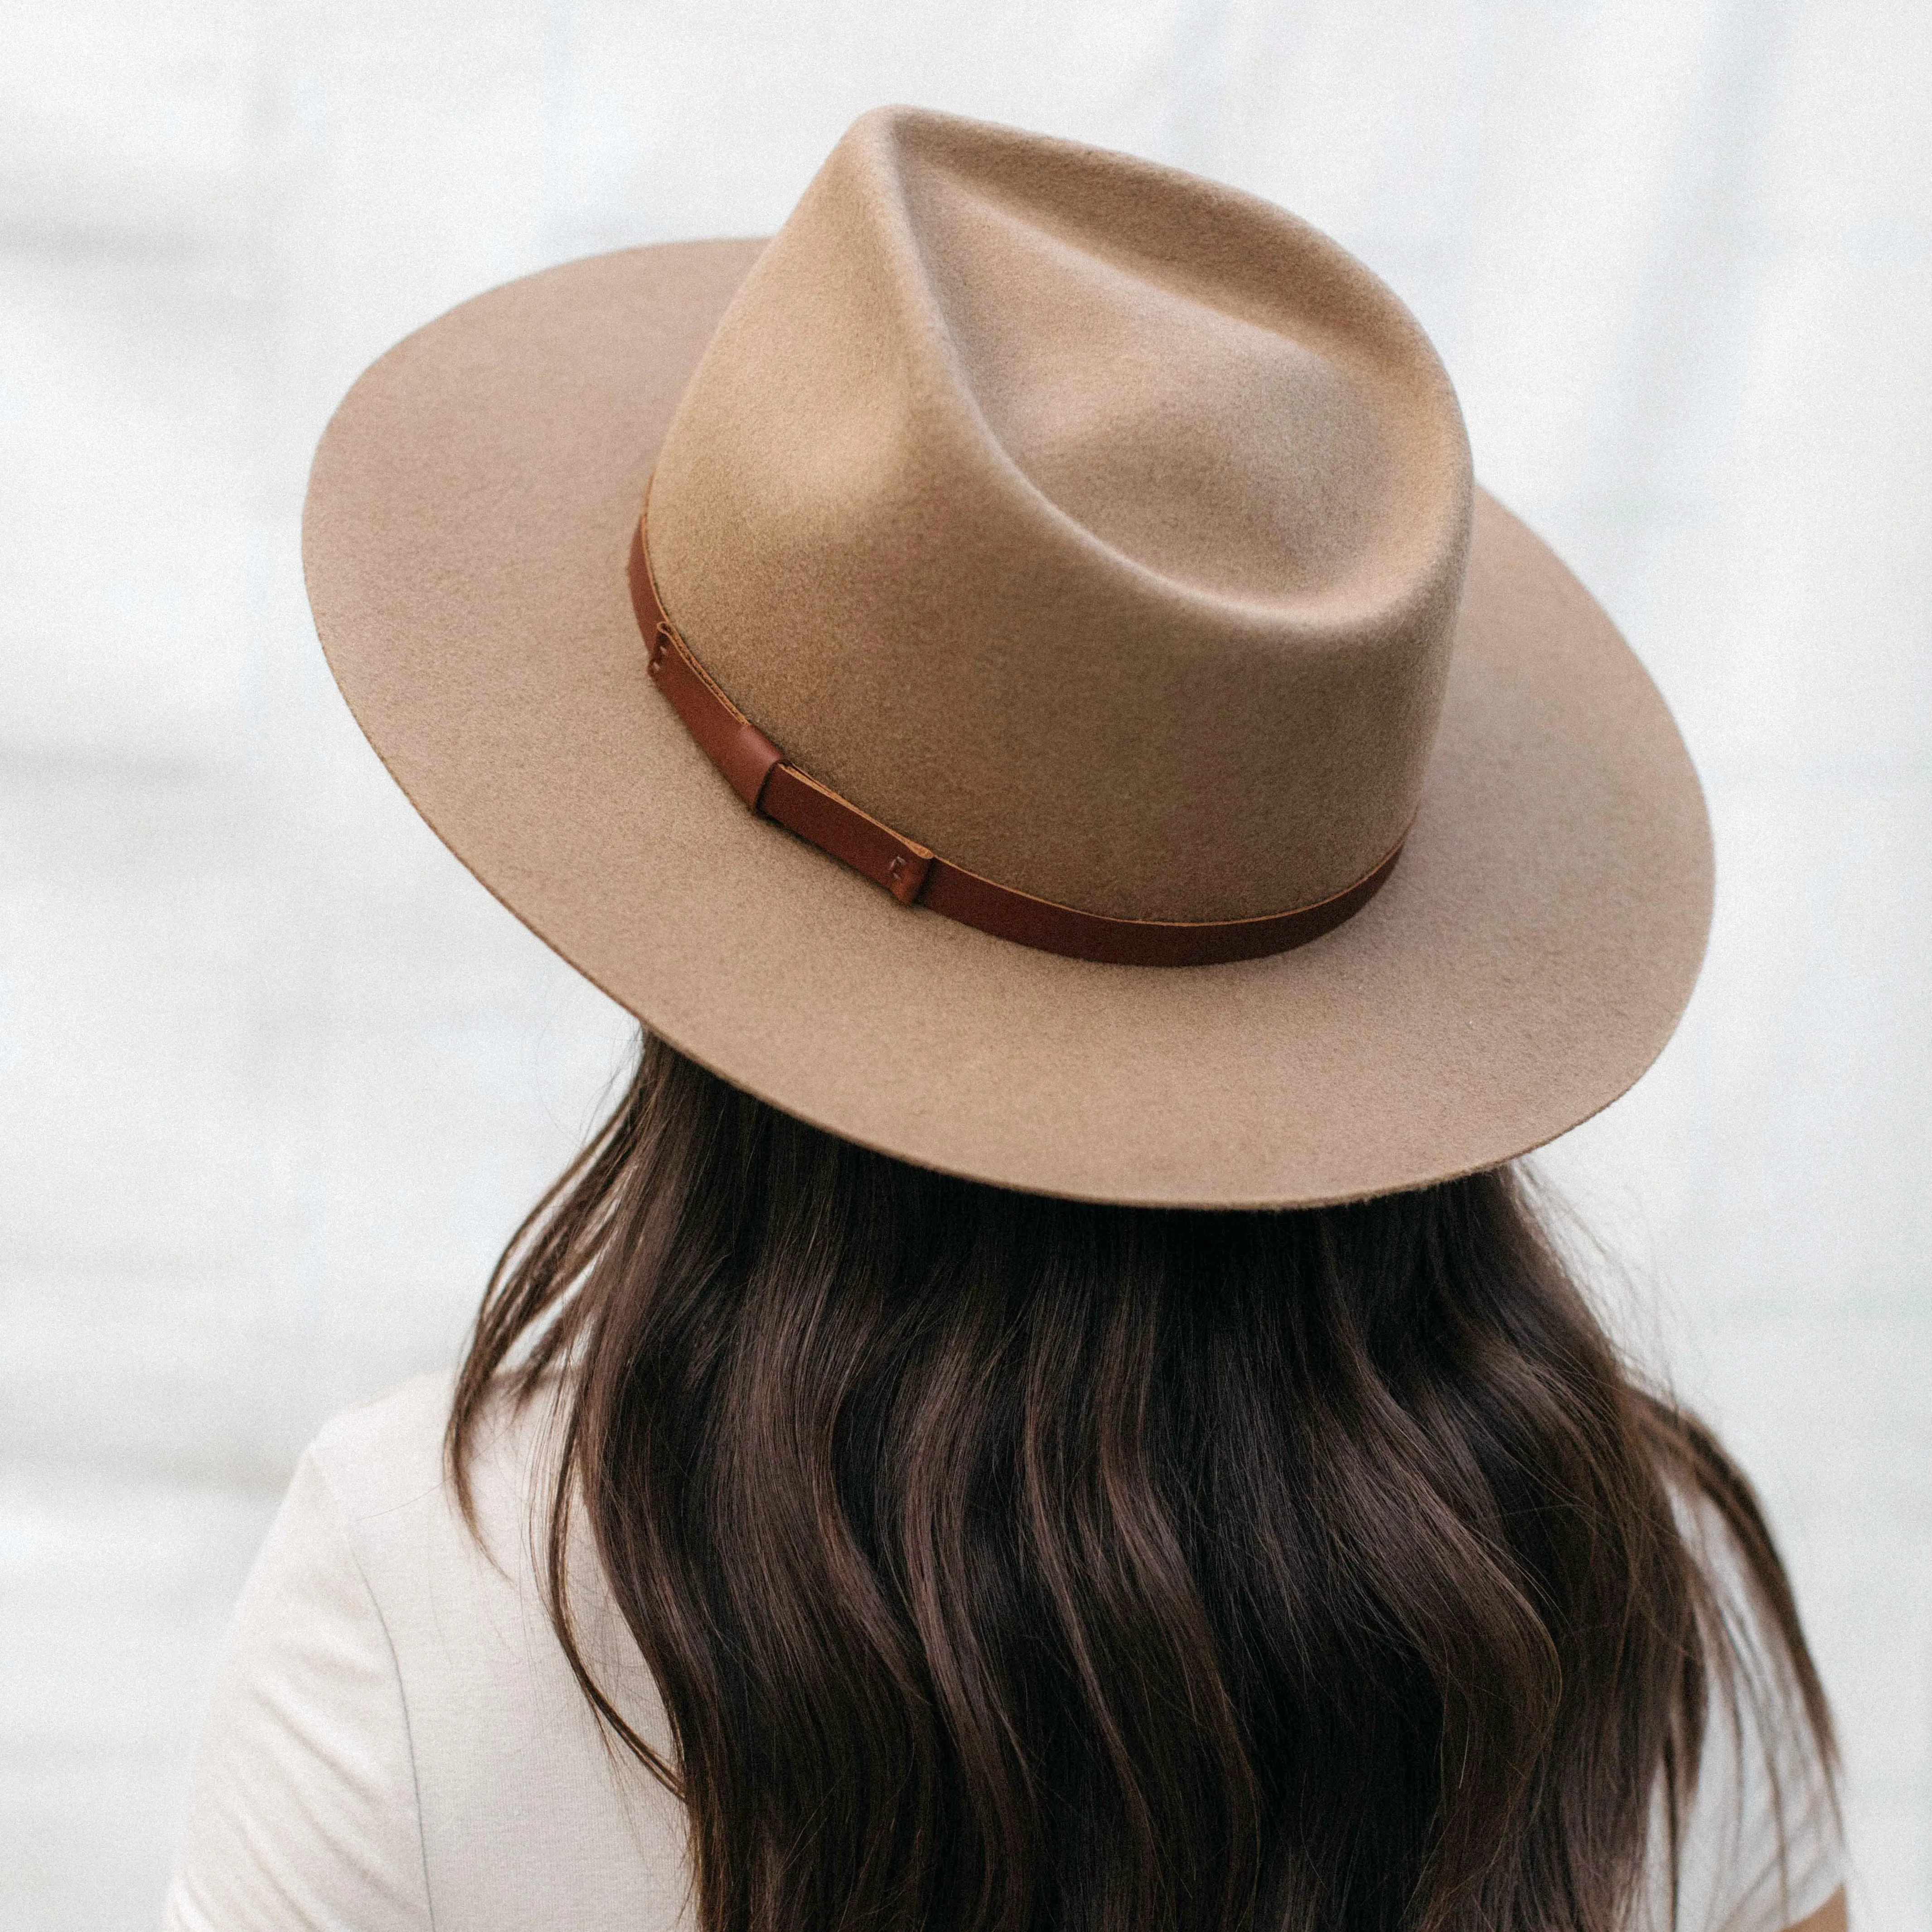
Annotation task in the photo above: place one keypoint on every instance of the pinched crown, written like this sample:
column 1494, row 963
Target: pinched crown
column 1100, row 528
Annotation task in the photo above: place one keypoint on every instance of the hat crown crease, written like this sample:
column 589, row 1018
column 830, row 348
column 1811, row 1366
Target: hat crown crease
column 1066, row 439
column 1101, row 530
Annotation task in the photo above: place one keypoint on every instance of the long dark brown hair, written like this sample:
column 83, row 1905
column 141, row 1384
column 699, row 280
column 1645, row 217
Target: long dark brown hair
column 1007, row 1563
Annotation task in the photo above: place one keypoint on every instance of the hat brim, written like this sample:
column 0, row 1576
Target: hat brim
column 464, row 541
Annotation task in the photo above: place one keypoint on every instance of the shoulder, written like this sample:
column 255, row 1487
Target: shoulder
column 463, row 1601
column 1761, row 1848
column 387, row 1455
column 302, row 1806
column 394, row 1696
column 506, row 1748
column 384, row 1469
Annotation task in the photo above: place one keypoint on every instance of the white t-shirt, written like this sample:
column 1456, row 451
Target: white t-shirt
column 395, row 1741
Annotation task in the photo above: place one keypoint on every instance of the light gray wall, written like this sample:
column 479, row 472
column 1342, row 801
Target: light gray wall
column 276, row 1078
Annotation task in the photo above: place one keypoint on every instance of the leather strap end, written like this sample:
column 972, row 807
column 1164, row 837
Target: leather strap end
column 731, row 742
column 801, row 804
column 747, row 761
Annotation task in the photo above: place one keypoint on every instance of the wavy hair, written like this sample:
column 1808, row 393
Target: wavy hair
column 1006, row 1563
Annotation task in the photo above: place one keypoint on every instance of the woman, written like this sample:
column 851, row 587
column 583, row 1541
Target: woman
column 1071, row 1421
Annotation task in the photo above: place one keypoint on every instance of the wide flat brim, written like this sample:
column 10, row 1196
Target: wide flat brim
column 464, row 541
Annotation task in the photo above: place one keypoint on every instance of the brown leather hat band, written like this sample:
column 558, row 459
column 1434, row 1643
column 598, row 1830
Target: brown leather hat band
column 756, row 770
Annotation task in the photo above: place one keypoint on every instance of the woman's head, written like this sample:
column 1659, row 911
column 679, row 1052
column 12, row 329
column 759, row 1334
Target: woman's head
column 1010, row 1562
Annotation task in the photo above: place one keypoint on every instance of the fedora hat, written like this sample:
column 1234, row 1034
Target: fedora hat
column 1015, row 670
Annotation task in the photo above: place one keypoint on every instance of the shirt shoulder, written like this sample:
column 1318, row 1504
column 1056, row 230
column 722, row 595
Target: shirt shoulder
column 386, row 1456
column 432, row 1656
column 302, row 1807
column 1762, row 1847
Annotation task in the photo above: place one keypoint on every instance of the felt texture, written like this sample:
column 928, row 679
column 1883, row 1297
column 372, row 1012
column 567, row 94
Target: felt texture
column 751, row 765
column 465, row 538
column 1094, row 525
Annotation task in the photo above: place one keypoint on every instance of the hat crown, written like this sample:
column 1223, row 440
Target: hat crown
column 1099, row 527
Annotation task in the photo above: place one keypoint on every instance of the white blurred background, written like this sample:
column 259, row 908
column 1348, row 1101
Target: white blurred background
column 277, row 1078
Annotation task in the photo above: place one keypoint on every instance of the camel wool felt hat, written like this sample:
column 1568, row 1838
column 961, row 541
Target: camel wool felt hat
column 1016, row 671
